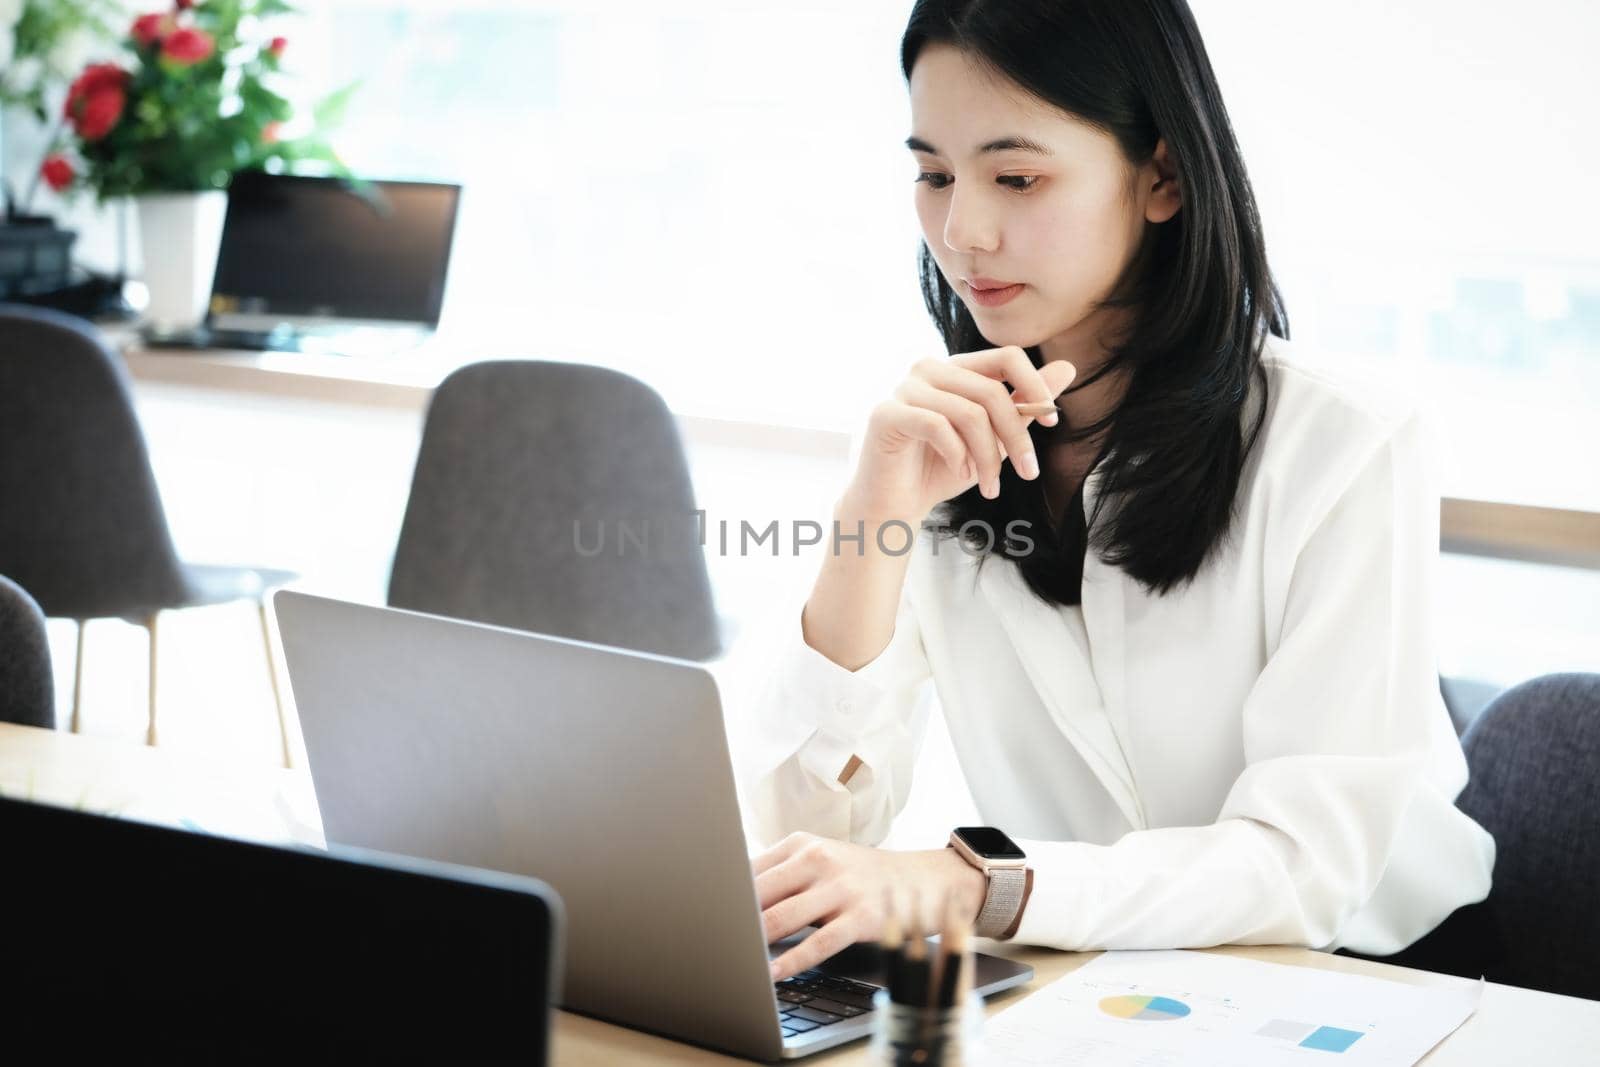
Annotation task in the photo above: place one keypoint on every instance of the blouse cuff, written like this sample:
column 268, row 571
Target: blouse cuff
column 811, row 692
column 1056, row 866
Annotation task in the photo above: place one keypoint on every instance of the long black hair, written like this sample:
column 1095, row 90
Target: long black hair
column 1202, row 298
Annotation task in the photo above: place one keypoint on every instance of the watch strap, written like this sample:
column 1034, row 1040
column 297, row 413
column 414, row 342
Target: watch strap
column 1003, row 902
column 1016, row 924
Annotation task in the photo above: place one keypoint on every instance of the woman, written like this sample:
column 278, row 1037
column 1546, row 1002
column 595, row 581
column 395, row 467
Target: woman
column 1180, row 632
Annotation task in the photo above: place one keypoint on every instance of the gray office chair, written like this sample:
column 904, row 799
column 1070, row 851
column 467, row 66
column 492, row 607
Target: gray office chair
column 81, row 522
column 1465, row 698
column 27, row 683
column 1534, row 755
column 555, row 497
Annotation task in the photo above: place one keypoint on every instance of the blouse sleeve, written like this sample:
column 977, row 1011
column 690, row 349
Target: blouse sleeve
column 811, row 716
column 1351, row 771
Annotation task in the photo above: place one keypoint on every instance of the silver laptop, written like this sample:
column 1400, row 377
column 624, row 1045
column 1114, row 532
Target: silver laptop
column 604, row 772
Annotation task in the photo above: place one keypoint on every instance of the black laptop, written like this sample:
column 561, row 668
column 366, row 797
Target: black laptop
column 327, row 265
column 131, row 939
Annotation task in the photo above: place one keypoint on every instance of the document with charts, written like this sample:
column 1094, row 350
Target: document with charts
column 1153, row 1009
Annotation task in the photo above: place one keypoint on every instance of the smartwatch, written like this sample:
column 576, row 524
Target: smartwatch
column 1006, row 868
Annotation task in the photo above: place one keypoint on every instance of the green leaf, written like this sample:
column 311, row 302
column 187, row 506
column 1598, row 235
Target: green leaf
column 329, row 111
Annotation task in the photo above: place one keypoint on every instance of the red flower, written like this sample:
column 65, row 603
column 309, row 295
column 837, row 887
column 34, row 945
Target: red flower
column 187, row 46
column 272, row 133
column 184, row 5
column 277, row 46
column 149, row 29
column 95, row 101
column 57, row 172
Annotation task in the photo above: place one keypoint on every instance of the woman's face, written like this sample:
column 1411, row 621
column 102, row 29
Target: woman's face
column 1063, row 222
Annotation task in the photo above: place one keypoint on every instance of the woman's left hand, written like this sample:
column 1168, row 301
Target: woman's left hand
column 841, row 887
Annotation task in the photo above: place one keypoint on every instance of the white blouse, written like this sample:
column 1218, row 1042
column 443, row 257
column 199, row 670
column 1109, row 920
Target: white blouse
column 1259, row 756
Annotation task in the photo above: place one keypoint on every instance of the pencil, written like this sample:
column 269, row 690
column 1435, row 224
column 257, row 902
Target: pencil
column 942, row 968
column 954, row 943
column 936, row 966
column 914, row 967
column 965, row 971
column 891, row 943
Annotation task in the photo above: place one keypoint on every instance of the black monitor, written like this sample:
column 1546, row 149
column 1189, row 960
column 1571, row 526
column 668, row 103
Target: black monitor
column 322, row 248
column 127, row 938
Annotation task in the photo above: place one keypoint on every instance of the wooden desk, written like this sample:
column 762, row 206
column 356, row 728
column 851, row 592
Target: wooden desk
column 1512, row 1026
column 259, row 802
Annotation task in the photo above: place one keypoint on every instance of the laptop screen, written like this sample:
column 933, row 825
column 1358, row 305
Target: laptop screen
column 321, row 247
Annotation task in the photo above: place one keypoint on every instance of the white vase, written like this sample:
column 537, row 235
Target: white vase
column 179, row 234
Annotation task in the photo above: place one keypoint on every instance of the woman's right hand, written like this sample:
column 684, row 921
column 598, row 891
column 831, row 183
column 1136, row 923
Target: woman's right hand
column 950, row 425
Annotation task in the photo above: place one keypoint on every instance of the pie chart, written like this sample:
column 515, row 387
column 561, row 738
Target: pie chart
column 1145, row 1009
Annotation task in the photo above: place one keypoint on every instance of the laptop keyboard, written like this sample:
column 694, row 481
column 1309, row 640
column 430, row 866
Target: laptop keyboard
column 811, row 1000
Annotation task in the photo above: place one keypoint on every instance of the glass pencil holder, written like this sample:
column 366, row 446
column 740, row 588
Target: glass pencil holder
column 903, row 1035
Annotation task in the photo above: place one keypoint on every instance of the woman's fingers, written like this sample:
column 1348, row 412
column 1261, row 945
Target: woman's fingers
column 1035, row 389
column 801, row 910
column 831, row 939
column 1008, row 364
column 931, row 428
column 781, row 851
column 785, row 880
column 1057, row 375
column 988, row 412
column 968, row 419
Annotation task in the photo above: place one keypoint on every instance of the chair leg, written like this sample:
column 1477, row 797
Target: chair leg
column 150, row 733
column 272, row 673
column 77, row 679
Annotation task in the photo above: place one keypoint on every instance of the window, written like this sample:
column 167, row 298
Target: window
column 711, row 196
column 1419, row 167
column 714, row 196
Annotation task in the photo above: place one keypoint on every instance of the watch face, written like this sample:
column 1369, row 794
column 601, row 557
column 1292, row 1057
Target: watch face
column 989, row 843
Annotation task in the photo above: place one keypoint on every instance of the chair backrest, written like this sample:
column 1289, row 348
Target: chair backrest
column 27, row 683
column 555, row 497
column 81, row 522
column 1534, row 755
